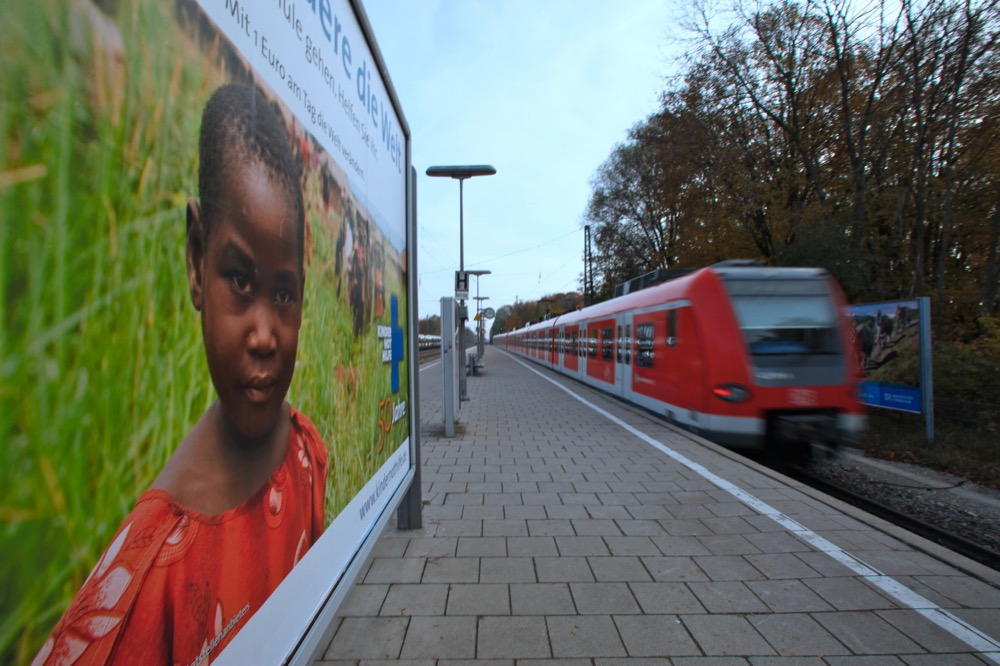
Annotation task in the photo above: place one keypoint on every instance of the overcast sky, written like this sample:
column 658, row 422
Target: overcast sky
column 540, row 89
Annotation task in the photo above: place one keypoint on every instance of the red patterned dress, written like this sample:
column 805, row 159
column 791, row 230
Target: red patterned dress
column 174, row 586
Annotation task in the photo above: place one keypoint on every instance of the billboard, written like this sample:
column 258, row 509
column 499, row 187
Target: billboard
column 890, row 343
column 207, row 323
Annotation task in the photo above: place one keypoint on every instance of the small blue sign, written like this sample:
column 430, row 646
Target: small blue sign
column 891, row 396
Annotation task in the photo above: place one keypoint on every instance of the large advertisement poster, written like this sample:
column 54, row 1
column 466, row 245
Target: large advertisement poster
column 887, row 340
column 203, row 366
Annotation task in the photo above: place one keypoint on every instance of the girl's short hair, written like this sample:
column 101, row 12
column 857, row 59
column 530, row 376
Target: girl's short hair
column 239, row 126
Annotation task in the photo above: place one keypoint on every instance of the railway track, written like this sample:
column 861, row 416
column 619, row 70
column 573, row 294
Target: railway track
column 428, row 354
column 977, row 552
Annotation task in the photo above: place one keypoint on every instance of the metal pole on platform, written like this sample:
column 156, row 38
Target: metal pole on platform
column 461, row 173
column 449, row 392
column 481, row 332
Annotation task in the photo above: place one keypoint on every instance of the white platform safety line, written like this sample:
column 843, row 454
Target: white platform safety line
column 984, row 644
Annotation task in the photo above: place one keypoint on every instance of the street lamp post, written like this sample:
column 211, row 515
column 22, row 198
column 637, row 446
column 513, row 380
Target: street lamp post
column 478, row 274
column 479, row 314
column 481, row 333
column 461, row 173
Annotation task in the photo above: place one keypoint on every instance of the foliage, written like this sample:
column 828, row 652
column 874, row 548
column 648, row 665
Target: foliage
column 959, row 448
column 987, row 344
column 966, row 418
column 429, row 325
column 512, row 317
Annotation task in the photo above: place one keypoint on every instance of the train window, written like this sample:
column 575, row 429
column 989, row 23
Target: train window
column 788, row 317
column 607, row 344
column 573, row 348
column 619, row 352
column 592, row 342
column 645, row 335
column 672, row 328
column 583, row 344
column 783, row 325
column 628, row 344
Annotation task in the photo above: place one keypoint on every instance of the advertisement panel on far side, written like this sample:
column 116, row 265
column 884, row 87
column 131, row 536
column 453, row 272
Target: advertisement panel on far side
column 887, row 340
column 205, row 377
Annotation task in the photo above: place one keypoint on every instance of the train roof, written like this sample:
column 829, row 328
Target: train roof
column 767, row 273
column 650, row 296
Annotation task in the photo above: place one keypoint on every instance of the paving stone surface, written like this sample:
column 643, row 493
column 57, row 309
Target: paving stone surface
column 552, row 536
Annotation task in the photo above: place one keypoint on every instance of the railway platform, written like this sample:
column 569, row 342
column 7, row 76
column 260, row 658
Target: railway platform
column 562, row 526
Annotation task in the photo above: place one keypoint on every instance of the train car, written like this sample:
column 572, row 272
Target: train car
column 747, row 356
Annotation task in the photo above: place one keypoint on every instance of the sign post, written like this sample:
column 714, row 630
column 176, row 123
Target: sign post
column 449, row 385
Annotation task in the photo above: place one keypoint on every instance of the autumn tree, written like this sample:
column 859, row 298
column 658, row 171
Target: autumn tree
column 429, row 325
column 512, row 317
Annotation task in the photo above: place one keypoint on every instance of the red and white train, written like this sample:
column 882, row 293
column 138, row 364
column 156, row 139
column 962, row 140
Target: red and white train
column 746, row 356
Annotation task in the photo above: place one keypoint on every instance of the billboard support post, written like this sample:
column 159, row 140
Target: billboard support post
column 926, row 367
column 408, row 514
column 449, row 392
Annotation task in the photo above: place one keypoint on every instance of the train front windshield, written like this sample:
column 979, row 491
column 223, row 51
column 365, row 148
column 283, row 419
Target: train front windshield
column 785, row 317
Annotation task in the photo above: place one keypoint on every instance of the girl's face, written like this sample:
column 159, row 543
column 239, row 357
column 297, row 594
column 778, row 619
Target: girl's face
column 251, row 300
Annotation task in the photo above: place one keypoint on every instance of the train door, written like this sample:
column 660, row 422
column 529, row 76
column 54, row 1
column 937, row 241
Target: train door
column 655, row 371
column 557, row 360
column 623, row 356
column 623, row 353
column 687, row 344
column 673, row 375
column 571, row 349
column 682, row 355
column 584, row 350
column 601, row 353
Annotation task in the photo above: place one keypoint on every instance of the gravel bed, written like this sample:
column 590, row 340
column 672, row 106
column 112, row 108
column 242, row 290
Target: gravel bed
column 948, row 502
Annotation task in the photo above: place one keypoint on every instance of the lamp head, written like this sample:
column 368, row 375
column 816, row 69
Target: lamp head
column 461, row 172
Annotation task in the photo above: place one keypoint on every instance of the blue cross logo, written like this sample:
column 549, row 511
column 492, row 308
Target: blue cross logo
column 397, row 342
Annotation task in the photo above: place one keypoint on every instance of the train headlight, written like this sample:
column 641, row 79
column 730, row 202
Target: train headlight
column 731, row 393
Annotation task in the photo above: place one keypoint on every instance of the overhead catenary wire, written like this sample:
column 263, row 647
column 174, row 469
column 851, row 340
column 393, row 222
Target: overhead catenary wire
column 509, row 254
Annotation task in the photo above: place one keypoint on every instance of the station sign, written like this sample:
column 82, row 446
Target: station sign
column 462, row 285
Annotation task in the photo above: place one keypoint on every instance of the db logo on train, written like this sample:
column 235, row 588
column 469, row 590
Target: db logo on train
column 388, row 414
column 802, row 397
